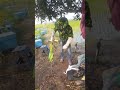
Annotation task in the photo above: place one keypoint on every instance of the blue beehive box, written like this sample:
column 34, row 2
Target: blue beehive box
column 7, row 41
column 38, row 43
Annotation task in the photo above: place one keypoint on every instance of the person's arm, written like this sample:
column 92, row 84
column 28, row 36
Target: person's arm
column 68, row 43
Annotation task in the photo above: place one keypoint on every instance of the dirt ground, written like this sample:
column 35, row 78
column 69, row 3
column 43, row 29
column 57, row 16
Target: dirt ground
column 13, row 76
column 50, row 76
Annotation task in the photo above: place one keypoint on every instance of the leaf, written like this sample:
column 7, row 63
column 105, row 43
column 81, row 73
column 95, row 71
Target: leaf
column 51, row 53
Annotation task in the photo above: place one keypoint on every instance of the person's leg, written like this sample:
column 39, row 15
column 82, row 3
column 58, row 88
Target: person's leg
column 69, row 55
column 62, row 51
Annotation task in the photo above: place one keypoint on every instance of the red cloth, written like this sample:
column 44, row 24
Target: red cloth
column 82, row 24
column 114, row 6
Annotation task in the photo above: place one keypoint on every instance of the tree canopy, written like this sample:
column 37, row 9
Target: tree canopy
column 53, row 8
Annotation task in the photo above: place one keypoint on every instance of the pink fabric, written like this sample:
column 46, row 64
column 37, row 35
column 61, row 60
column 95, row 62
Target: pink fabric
column 114, row 6
column 82, row 24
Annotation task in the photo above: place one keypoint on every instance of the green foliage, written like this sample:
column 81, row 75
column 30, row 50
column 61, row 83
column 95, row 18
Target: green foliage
column 75, row 24
column 37, row 32
column 50, row 26
column 53, row 8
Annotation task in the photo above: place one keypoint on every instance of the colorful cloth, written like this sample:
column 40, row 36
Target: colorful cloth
column 86, row 17
column 114, row 6
column 82, row 24
column 64, row 29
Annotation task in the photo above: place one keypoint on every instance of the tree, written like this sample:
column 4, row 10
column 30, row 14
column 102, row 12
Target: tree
column 53, row 8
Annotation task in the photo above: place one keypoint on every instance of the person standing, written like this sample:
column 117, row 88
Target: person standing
column 65, row 35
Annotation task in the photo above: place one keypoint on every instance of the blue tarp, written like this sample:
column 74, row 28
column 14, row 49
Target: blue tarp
column 38, row 43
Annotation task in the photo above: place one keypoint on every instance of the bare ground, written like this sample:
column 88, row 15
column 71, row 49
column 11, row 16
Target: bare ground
column 50, row 76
